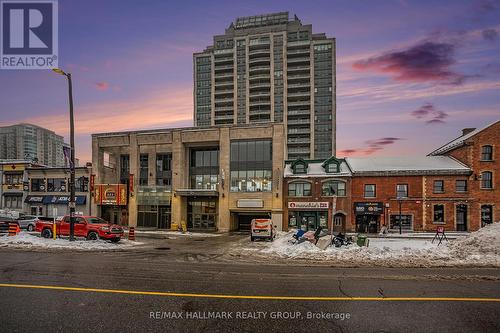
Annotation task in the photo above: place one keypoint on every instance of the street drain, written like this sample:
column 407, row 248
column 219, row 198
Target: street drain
column 162, row 248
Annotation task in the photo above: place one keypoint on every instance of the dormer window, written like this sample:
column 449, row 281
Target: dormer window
column 331, row 168
column 299, row 166
column 331, row 165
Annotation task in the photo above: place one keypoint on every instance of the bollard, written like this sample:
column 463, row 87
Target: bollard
column 131, row 233
column 13, row 229
column 54, row 230
column 183, row 226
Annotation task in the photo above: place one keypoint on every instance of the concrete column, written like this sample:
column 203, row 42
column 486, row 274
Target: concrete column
column 278, row 165
column 179, row 211
column 134, row 169
column 224, row 216
column 97, row 168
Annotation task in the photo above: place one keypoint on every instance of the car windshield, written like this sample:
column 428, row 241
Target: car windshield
column 96, row 220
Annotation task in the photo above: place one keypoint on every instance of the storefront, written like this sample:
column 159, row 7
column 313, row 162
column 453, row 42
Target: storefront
column 112, row 202
column 368, row 216
column 307, row 215
column 55, row 205
column 154, row 207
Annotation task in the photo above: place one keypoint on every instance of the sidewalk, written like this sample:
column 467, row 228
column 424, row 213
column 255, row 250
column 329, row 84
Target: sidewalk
column 418, row 235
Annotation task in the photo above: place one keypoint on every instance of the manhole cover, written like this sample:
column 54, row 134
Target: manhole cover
column 162, row 248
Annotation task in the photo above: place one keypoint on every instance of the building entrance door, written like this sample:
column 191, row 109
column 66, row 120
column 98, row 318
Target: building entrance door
column 461, row 217
column 164, row 217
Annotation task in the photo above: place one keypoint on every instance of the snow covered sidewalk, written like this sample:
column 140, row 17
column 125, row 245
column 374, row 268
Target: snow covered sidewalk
column 480, row 248
column 25, row 240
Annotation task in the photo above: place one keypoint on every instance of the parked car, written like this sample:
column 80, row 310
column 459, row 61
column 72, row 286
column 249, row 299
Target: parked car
column 27, row 222
column 90, row 227
column 262, row 229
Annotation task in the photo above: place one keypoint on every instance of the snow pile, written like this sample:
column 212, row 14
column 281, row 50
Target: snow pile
column 24, row 240
column 481, row 248
column 483, row 245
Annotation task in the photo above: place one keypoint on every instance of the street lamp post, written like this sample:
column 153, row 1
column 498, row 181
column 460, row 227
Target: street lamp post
column 72, row 155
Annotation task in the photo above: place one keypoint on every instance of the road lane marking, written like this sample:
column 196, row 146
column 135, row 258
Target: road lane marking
column 257, row 297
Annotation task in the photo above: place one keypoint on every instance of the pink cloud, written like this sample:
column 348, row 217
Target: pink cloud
column 102, row 85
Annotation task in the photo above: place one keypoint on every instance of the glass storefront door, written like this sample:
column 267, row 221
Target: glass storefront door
column 202, row 213
column 307, row 220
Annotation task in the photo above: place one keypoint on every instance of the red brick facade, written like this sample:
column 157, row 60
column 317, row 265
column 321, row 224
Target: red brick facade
column 456, row 200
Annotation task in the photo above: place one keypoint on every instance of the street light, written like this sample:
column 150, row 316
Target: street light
column 72, row 158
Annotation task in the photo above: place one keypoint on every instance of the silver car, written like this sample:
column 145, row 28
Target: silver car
column 27, row 222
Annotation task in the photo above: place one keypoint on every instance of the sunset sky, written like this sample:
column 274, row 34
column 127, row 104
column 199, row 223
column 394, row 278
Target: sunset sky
column 410, row 74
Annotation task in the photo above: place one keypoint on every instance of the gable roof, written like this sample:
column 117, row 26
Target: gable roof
column 459, row 141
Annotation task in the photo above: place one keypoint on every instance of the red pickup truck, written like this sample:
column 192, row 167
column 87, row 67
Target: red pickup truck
column 90, row 227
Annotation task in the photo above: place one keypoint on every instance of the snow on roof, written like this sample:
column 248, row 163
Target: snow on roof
column 459, row 141
column 315, row 169
column 405, row 163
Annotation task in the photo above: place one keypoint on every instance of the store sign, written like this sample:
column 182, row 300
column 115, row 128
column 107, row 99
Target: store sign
column 308, row 205
column 111, row 194
column 362, row 208
column 250, row 203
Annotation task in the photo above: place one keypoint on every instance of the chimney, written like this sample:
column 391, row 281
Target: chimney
column 467, row 130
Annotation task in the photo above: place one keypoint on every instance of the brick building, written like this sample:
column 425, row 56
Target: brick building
column 308, row 198
column 478, row 148
column 386, row 190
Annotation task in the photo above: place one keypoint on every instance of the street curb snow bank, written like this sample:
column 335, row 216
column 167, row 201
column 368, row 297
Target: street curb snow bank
column 27, row 241
column 480, row 249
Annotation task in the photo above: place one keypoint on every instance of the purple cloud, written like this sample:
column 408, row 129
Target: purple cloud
column 372, row 146
column 426, row 61
column 489, row 34
column 428, row 111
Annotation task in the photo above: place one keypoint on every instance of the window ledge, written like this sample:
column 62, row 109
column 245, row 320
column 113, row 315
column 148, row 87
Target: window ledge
column 486, row 188
column 486, row 160
column 434, row 222
column 440, row 192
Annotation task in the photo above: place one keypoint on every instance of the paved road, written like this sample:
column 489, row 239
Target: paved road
column 56, row 310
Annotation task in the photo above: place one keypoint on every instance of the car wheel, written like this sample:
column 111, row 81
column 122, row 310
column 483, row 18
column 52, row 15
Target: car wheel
column 92, row 236
column 47, row 233
column 31, row 227
column 115, row 240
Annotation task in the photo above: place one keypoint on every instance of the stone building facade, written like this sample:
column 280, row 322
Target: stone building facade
column 216, row 178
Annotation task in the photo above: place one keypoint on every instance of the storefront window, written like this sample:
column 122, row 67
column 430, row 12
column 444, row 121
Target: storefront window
column 299, row 189
column 311, row 220
column 406, row 222
column 14, row 179
column 333, row 186
column 202, row 213
column 251, row 165
column 486, row 215
column 438, row 213
column 147, row 216
column 56, row 185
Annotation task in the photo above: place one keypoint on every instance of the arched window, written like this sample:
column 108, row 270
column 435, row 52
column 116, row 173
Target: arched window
column 333, row 185
column 299, row 189
column 486, row 153
column 486, row 179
